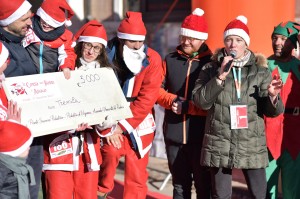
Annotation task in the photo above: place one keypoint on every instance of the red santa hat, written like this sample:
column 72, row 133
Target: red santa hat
column 12, row 10
column 238, row 27
column 15, row 138
column 195, row 25
column 3, row 54
column 53, row 12
column 93, row 31
column 132, row 27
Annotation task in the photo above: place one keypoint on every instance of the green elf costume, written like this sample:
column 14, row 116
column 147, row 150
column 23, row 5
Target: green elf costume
column 283, row 134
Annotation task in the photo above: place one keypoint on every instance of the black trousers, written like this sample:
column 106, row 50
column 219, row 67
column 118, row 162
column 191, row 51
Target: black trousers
column 222, row 178
column 184, row 165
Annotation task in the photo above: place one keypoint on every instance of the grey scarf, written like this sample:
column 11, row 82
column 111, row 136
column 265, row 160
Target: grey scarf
column 242, row 61
column 22, row 171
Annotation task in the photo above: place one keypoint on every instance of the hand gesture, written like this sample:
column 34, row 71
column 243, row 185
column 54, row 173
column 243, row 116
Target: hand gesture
column 177, row 105
column 13, row 111
column 83, row 126
column 275, row 87
column 116, row 138
column 226, row 61
column 67, row 73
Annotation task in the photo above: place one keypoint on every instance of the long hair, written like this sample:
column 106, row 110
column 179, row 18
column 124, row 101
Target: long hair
column 102, row 58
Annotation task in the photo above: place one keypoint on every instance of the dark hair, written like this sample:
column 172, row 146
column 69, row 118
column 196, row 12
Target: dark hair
column 102, row 58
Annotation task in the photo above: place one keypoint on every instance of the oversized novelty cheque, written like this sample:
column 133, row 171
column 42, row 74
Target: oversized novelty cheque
column 50, row 103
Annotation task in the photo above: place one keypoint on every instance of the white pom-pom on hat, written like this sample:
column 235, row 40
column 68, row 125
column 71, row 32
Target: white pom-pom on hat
column 198, row 12
column 68, row 23
column 242, row 19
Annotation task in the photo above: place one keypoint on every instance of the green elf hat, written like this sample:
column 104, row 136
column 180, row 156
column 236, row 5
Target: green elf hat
column 289, row 29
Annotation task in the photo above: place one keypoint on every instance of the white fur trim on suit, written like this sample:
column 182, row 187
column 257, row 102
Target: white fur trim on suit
column 130, row 87
column 61, row 167
column 94, row 165
column 126, row 125
column 142, row 151
column 22, row 10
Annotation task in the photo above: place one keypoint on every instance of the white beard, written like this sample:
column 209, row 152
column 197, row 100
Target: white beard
column 134, row 58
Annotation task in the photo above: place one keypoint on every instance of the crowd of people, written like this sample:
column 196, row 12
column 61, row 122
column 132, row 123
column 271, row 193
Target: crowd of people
column 225, row 109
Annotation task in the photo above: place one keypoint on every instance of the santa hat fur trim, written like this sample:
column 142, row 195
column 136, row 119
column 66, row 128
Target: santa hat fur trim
column 195, row 25
column 12, row 10
column 93, row 31
column 132, row 27
column 15, row 138
column 53, row 12
column 239, row 28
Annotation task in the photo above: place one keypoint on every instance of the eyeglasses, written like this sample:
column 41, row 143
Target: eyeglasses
column 189, row 39
column 89, row 46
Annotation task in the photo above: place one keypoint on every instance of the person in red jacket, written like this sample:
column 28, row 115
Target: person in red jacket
column 138, row 69
column 184, row 122
column 74, row 174
column 48, row 41
column 283, row 139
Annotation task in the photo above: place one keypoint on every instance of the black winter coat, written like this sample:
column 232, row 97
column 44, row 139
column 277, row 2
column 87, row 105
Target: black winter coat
column 20, row 61
column 181, row 74
column 8, row 183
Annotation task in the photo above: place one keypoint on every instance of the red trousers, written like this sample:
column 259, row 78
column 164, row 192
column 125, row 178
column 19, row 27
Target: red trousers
column 80, row 184
column 136, row 175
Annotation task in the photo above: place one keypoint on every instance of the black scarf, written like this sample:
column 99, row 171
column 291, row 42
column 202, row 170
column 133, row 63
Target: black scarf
column 46, row 36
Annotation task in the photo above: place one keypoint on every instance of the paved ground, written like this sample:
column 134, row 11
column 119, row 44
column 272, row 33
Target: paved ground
column 158, row 171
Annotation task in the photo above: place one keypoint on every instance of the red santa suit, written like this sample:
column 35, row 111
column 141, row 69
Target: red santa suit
column 141, row 89
column 140, row 133
column 72, row 161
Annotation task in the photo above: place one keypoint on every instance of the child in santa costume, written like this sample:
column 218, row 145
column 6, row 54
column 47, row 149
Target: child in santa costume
column 74, row 173
column 139, row 71
column 15, row 174
column 283, row 138
column 48, row 41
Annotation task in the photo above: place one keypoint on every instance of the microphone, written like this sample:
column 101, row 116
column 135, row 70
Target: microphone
column 232, row 54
